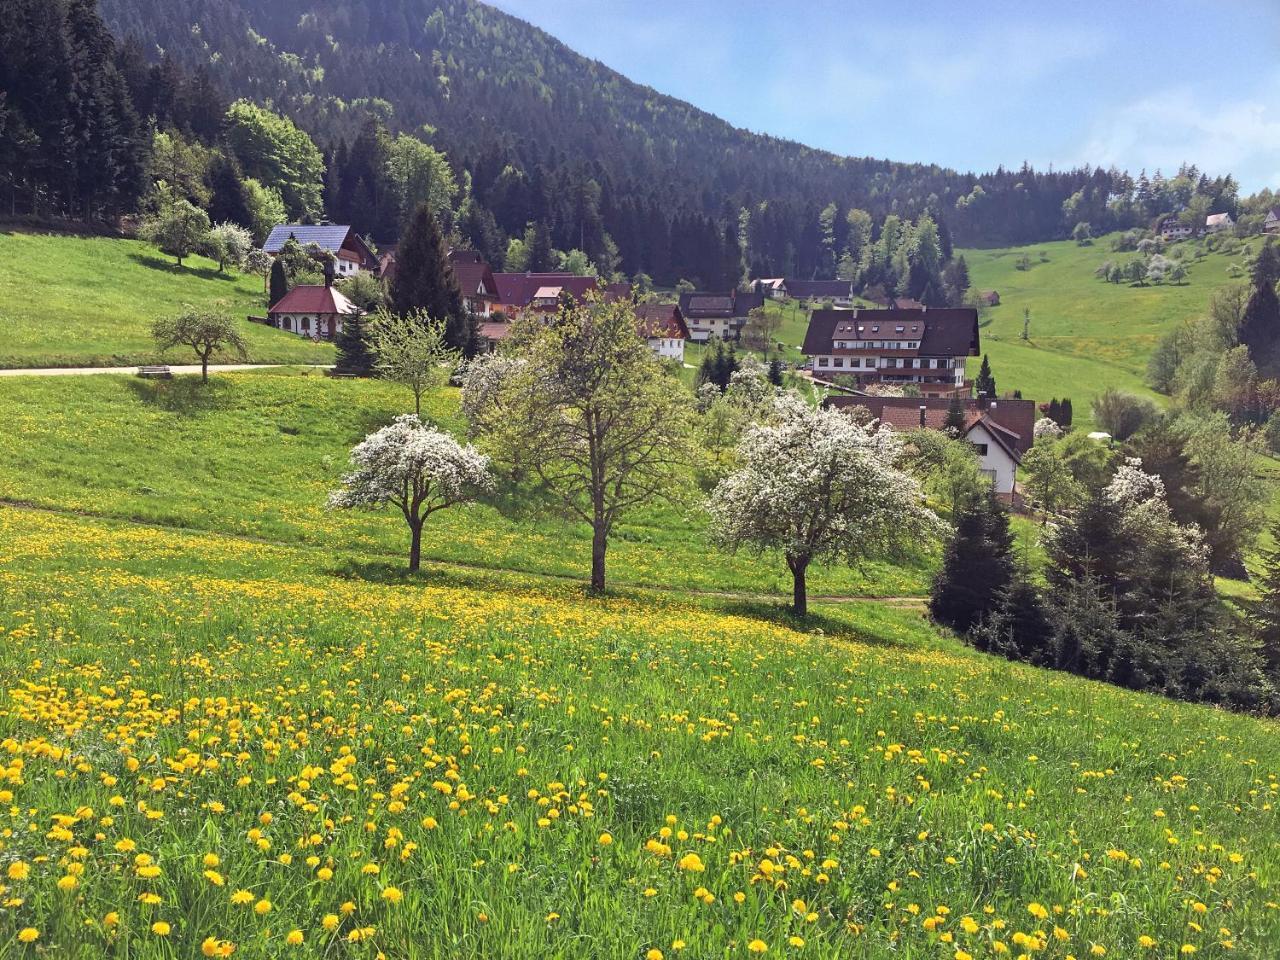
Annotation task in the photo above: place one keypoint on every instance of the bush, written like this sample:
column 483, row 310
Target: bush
column 1122, row 414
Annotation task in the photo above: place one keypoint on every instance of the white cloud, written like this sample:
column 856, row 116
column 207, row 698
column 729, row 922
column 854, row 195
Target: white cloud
column 1238, row 136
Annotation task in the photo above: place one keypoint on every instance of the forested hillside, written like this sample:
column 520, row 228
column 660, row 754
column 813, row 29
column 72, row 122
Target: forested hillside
column 547, row 136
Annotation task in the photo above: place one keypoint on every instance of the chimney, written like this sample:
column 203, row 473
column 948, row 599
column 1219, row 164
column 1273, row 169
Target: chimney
column 992, row 405
column 923, row 409
column 855, row 313
column 328, row 273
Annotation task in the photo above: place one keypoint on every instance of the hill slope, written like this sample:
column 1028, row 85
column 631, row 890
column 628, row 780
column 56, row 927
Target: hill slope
column 90, row 301
column 1086, row 335
column 497, row 91
column 490, row 764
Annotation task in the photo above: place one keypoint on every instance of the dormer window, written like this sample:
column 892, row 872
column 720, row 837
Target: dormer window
column 875, row 329
column 900, row 329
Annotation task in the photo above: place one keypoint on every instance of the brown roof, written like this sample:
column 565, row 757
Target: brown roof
column 661, row 320
column 494, row 330
column 709, row 304
column 819, row 289
column 313, row 298
column 941, row 331
column 1010, row 422
column 519, row 289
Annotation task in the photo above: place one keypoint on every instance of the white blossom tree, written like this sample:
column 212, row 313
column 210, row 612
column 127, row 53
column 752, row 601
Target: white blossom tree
column 1046, row 428
column 413, row 467
column 816, row 485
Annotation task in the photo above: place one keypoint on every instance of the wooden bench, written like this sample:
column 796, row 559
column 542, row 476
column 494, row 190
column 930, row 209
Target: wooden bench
column 155, row 373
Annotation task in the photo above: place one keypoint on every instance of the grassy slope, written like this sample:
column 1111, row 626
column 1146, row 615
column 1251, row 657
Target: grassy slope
column 1086, row 335
column 90, row 301
column 891, row 774
column 256, row 454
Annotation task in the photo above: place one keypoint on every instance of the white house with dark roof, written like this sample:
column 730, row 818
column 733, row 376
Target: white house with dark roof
column 350, row 253
column 1217, row 222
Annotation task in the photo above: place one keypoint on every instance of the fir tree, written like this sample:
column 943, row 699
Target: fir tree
column 954, row 422
column 355, row 358
column 775, row 372
column 976, row 566
column 424, row 280
column 986, row 383
column 228, row 203
column 1066, row 413
column 1265, row 617
column 1260, row 325
column 279, row 282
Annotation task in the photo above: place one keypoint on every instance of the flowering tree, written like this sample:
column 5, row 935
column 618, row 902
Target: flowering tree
column 1046, row 429
column 416, row 468
column 817, row 485
column 411, row 350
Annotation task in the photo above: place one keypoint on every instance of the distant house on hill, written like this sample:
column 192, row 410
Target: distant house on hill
column 1171, row 228
column 1217, row 222
column 1001, row 430
column 990, row 297
column 1272, row 222
column 663, row 328
column 311, row 310
column 710, row 314
column 518, row 293
column 351, row 254
column 775, row 288
column 840, row 292
column 475, row 280
column 926, row 348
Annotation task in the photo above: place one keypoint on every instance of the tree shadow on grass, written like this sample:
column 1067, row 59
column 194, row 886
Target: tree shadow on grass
column 822, row 626
column 187, row 396
column 155, row 262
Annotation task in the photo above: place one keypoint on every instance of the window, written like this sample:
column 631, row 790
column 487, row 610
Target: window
column 822, row 361
column 839, row 361
column 306, row 324
column 855, row 361
column 981, row 448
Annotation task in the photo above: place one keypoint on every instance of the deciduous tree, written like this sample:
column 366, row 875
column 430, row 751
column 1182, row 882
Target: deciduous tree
column 208, row 334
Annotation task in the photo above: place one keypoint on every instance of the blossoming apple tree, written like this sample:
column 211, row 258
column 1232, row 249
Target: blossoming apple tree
column 416, row 468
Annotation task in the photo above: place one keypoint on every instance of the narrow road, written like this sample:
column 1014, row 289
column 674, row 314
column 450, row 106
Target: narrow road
column 132, row 371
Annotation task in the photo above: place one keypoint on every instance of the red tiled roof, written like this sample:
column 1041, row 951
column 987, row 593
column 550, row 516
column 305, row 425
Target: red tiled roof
column 941, row 332
column 661, row 320
column 1010, row 422
column 313, row 298
column 518, row 289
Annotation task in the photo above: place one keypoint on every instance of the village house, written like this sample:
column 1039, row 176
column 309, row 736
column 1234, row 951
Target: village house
column 925, row 347
column 1217, row 222
column 990, row 297
column 1272, row 222
column 351, row 254
column 720, row 315
column 1000, row 430
column 663, row 328
column 475, row 280
column 1171, row 228
column 775, row 288
column 517, row 293
column 839, row 292
column 311, row 310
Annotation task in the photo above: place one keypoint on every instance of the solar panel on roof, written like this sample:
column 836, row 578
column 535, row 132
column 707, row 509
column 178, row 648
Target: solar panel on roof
column 327, row 237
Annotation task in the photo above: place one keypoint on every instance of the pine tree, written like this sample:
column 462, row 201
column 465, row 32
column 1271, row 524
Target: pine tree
column 775, row 372
column 986, row 383
column 1066, row 413
column 954, row 422
column 424, row 280
column 355, row 358
column 1055, row 411
column 279, row 282
column 1260, row 325
column 541, row 256
column 976, row 566
column 228, row 203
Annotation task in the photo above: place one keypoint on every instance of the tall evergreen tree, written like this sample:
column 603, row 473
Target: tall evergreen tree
column 279, row 282
column 541, row 256
column 986, row 383
column 228, row 199
column 976, row 566
column 424, row 280
column 355, row 357
column 1260, row 325
column 1265, row 617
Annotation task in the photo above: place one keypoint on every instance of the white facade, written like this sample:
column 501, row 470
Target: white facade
column 668, row 348
column 1272, row 223
column 315, row 326
column 702, row 329
column 1175, row 230
column 346, row 268
column 994, row 461
column 1218, row 221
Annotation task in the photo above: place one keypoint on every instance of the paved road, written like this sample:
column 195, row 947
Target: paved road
column 180, row 368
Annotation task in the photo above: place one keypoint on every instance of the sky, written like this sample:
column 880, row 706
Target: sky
column 973, row 85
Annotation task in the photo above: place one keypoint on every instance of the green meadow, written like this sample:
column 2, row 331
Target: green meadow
column 232, row 726
column 90, row 301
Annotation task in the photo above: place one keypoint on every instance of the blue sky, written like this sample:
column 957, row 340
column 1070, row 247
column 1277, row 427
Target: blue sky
column 1137, row 83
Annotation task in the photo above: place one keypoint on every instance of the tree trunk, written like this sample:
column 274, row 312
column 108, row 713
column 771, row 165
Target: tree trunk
column 799, row 593
column 204, row 368
column 415, row 546
column 599, row 542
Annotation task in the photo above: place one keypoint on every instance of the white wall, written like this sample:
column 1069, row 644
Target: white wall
column 996, row 463
column 671, row 348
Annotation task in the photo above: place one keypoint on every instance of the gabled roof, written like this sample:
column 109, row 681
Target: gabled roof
column 1273, row 213
column 313, row 298
column 820, row 289
column 519, row 289
column 327, row 237
column 1214, row 219
column 1011, row 423
column 940, row 331
column 661, row 320
column 744, row 303
column 705, row 304
column 472, row 271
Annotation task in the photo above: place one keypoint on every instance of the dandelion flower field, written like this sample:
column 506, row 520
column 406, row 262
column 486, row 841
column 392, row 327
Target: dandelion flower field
column 252, row 738
column 246, row 759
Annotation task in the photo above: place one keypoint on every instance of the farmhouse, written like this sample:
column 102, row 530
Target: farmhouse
column 720, row 315
column 839, row 292
column 990, row 297
column 1217, row 222
column 516, row 293
column 925, row 347
column 1272, row 222
column 311, row 310
column 1171, row 228
column 475, row 280
column 775, row 288
column 1001, row 430
column 351, row 254
column 662, row 326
